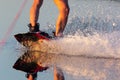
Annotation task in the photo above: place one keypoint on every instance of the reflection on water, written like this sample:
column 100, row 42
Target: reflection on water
column 79, row 67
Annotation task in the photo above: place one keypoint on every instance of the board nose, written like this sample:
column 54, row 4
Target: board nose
column 18, row 37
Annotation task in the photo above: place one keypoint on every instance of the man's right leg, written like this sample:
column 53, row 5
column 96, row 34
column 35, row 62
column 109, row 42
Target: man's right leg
column 34, row 15
column 61, row 22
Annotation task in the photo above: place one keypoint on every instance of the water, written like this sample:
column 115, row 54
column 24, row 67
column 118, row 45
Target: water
column 91, row 41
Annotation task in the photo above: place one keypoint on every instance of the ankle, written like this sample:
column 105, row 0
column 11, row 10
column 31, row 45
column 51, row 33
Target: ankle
column 59, row 35
column 33, row 28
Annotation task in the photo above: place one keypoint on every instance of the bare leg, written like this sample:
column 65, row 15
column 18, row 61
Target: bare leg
column 34, row 11
column 63, row 8
column 58, row 74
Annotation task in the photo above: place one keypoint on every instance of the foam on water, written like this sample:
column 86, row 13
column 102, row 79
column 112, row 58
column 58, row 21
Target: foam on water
column 93, row 32
column 91, row 40
column 93, row 57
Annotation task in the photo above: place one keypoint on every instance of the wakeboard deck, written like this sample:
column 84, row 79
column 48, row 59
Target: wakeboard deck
column 26, row 38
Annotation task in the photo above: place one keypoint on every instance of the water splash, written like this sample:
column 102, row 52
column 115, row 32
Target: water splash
column 95, row 38
column 95, row 42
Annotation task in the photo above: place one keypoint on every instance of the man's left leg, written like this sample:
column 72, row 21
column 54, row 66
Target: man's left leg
column 63, row 8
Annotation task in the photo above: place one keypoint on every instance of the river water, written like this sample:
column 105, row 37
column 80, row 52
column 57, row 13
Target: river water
column 91, row 40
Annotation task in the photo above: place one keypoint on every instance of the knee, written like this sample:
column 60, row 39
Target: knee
column 65, row 10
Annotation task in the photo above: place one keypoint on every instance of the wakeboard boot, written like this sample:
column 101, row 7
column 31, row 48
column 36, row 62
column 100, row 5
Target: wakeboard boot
column 33, row 29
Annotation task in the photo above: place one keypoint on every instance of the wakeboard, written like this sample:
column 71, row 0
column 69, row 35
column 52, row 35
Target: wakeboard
column 27, row 62
column 27, row 38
